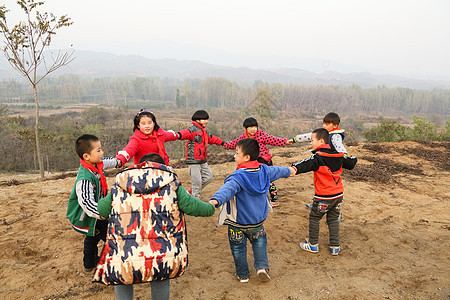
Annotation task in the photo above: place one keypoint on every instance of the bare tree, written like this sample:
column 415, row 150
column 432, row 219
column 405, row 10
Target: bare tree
column 24, row 48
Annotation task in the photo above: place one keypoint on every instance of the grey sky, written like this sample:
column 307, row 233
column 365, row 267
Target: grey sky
column 404, row 36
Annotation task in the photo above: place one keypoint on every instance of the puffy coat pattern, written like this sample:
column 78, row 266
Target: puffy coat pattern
column 146, row 238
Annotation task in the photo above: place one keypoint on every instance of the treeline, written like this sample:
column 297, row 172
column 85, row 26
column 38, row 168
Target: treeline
column 166, row 93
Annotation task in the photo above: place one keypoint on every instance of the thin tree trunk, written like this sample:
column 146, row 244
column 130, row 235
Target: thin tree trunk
column 36, row 132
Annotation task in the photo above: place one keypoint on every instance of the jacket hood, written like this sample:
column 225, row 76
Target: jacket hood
column 252, row 181
column 145, row 178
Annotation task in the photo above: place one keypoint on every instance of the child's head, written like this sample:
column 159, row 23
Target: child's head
column 145, row 121
column 250, row 126
column 331, row 121
column 246, row 150
column 201, row 116
column 89, row 148
column 152, row 157
column 319, row 137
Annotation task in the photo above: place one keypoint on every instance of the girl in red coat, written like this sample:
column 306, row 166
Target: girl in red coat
column 148, row 138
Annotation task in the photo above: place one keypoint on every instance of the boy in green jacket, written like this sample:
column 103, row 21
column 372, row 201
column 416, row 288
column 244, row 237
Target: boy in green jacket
column 90, row 186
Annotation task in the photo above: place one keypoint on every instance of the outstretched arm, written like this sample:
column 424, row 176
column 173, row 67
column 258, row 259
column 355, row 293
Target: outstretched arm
column 193, row 206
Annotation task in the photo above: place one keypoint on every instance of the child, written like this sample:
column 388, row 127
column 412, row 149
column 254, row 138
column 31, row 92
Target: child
column 90, row 186
column 245, row 206
column 148, row 138
column 146, row 239
column 327, row 165
column 251, row 131
column 196, row 151
column 331, row 123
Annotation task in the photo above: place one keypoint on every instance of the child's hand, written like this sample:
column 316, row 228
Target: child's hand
column 214, row 202
column 293, row 171
column 119, row 163
column 290, row 142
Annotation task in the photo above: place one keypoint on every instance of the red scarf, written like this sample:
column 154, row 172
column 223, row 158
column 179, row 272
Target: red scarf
column 205, row 134
column 253, row 164
column 159, row 144
column 99, row 170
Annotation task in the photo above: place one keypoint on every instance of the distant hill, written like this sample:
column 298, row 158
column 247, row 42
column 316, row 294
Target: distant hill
column 96, row 64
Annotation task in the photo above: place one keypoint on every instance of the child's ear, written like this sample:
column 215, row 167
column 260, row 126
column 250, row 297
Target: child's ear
column 86, row 156
column 247, row 158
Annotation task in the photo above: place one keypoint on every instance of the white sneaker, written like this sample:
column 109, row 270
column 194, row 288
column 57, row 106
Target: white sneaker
column 263, row 275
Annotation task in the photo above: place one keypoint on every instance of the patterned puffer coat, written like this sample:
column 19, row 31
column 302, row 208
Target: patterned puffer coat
column 146, row 238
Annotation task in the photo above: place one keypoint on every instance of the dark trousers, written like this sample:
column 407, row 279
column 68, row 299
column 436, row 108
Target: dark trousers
column 90, row 250
column 332, row 209
column 272, row 189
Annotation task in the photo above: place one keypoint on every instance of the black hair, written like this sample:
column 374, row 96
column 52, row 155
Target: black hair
column 249, row 147
column 322, row 134
column 84, row 144
column 249, row 122
column 200, row 115
column 153, row 157
column 140, row 114
column 332, row 118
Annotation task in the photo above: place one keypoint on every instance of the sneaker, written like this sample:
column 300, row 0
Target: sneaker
column 335, row 250
column 274, row 202
column 308, row 247
column 263, row 275
column 243, row 280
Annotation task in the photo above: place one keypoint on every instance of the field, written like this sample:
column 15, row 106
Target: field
column 395, row 235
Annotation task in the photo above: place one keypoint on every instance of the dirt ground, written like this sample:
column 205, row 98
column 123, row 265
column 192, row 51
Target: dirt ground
column 395, row 235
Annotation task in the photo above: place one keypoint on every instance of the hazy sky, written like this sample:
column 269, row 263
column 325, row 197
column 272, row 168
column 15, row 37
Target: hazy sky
column 404, row 36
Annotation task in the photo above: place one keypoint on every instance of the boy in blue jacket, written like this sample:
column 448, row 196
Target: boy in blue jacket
column 245, row 206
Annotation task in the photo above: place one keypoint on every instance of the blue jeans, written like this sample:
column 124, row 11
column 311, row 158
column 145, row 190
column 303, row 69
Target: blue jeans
column 238, row 245
column 160, row 290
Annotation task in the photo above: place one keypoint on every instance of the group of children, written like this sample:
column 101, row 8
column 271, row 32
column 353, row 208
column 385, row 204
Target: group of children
column 142, row 219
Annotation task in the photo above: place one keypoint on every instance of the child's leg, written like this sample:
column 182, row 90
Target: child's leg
column 258, row 238
column 207, row 174
column 196, row 178
column 160, row 289
column 238, row 246
column 333, row 222
column 318, row 209
column 124, row 292
column 90, row 250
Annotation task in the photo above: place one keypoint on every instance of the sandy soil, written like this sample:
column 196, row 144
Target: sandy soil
column 395, row 236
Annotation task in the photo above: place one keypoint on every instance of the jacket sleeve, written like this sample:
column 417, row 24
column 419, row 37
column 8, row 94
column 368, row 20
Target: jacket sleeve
column 170, row 135
column 109, row 162
column 129, row 151
column 232, row 144
column 86, row 198
column 228, row 190
column 276, row 172
column 215, row 140
column 193, row 206
column 336, row 140
column 349, row 162
column 185, row 134
column 308, row 164
column 104, row 206
column 273, row 140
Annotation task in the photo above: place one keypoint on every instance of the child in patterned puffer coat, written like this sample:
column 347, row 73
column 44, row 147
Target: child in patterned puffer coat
column 251, row 131
column 146, row 239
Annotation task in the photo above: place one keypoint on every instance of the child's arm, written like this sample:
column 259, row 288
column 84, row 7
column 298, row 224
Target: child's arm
column 104, row 206
column 226, row 192
column 86, row 198
column 232, row 144
column 273, row 140
column 170, row 135
column 305, row 137
column 128, row 152
column 110, row 162
column 185, row 134
column 349, row 162
column 193, row 206
column 336, row 140
column 276, row 172
column 307, row 165
column 215, row 140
